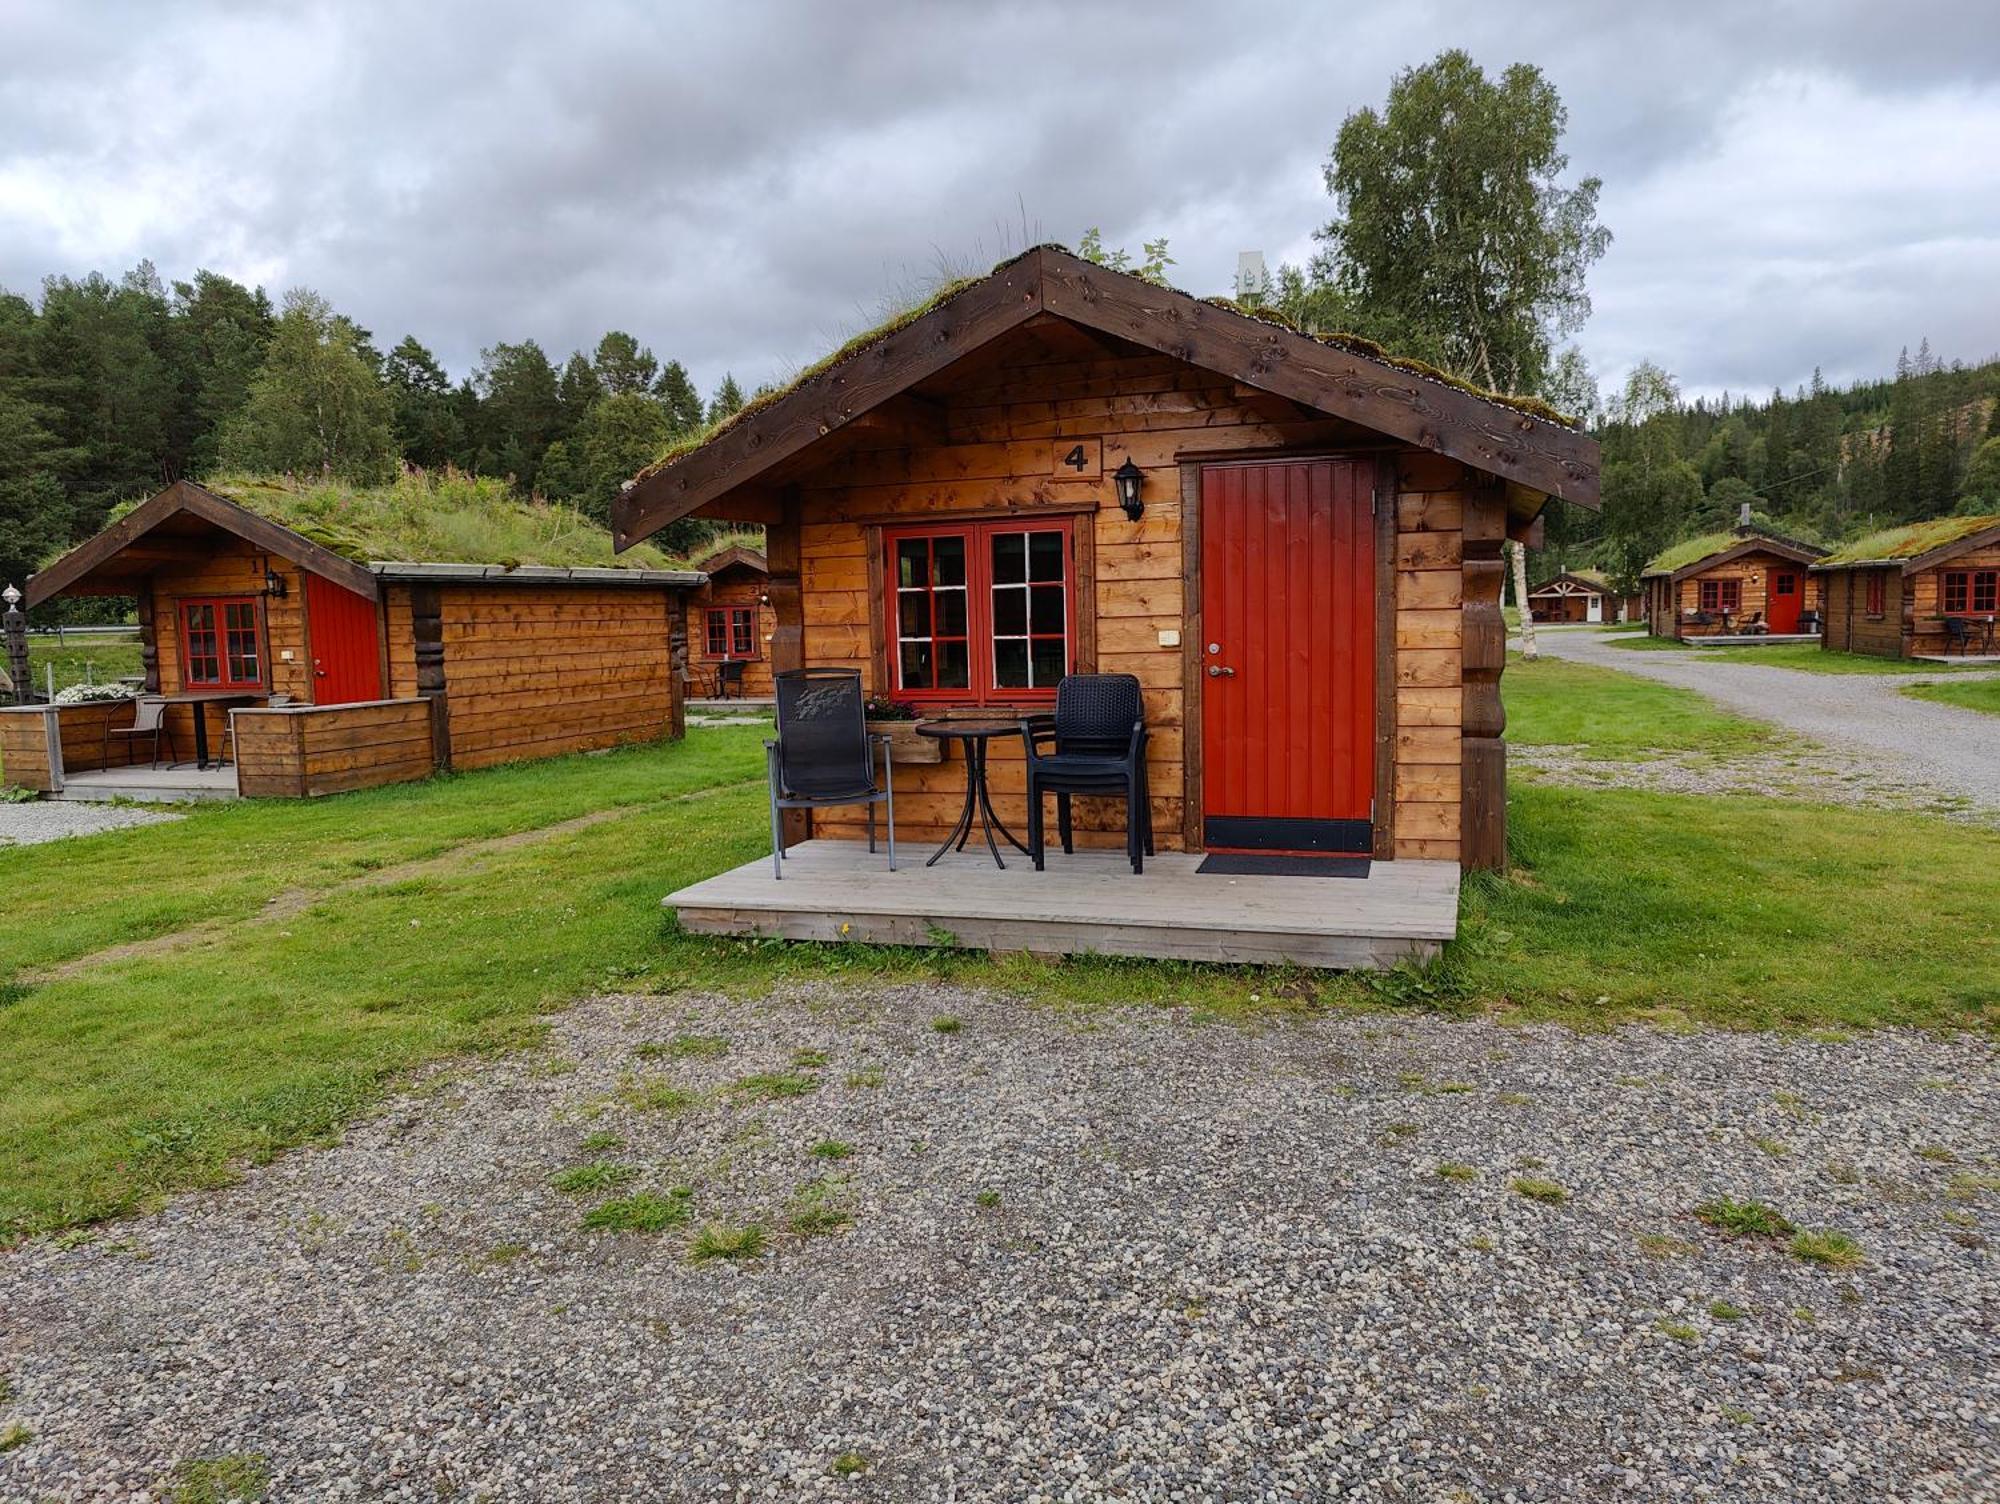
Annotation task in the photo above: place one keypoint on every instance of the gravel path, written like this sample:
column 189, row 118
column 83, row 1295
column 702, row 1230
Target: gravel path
column 1946, row 749
column 55, row 820
column 1092, row 1255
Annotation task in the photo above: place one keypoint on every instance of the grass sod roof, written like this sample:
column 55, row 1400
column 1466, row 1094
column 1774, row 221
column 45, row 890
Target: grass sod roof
column 1692, row 551
column 434, row 517
column 1913, row 540
column 904, row 317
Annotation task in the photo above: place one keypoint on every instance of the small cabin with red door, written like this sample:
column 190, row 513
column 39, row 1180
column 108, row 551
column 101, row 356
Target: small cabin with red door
column 1926, row 590
column 1294, row 543
column 290, row 662
column 1744, row 583
column 730, row 623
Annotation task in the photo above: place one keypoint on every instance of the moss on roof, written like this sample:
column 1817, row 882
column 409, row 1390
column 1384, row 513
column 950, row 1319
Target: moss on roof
column 1691, row 552
column 903, row 318
column 1909, row 541
column 433, row 517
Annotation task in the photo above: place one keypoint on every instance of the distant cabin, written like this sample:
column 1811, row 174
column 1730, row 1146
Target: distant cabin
column 1579, row 595
column 731, row 622
column 1741, row 583
column 1295, row 544
column 1895, row 594
column 317, row 672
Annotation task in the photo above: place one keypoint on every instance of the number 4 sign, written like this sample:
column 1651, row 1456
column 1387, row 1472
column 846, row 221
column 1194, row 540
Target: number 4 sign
column 1077, row 459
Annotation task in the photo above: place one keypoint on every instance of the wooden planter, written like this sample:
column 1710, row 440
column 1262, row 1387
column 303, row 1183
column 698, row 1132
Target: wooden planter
column 905, row 746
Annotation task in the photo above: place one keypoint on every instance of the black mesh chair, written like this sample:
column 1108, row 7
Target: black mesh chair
column 1958, row 632
column 823, row 755
column 1099, row 736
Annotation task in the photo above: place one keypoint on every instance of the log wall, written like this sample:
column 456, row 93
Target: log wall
column 1923, row 624
column 733, row 589
column 24, row 747
column 302, row 751
column 995, row 459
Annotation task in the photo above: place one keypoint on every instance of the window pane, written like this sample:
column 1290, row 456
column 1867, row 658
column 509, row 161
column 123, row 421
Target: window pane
column 916, row 665
column 1010, row 663
column 1045, row 556
column 1049, row 661
column 913, row 611
column 1048, row 612
column 954, row 666
column 1010, row 558
column 1986, row 590
column 948, row 561
column 912, row 561
column 950, row 608
column 1010, row 611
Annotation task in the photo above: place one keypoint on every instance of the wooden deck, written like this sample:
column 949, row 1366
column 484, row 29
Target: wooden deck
column 1753, row 640
column 1086, row 903
column 173, row 785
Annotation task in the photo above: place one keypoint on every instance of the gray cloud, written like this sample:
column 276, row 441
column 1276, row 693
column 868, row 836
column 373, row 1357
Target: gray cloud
column 740, row 186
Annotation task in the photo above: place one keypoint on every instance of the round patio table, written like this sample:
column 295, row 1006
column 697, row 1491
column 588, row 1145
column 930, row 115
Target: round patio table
column 973, row 736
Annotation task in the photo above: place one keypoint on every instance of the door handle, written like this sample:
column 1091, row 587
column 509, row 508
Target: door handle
column 1217, row 671
column 319, row 672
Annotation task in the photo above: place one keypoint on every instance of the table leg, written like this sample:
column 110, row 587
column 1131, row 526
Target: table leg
column 986, row 813
column 200, row 736
column 964, row 826
column 985, row 805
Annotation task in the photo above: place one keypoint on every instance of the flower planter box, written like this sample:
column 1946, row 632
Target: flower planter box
column 905, row 746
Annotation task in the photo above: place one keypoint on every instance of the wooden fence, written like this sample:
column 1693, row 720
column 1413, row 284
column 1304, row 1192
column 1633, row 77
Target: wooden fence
column 298, row 751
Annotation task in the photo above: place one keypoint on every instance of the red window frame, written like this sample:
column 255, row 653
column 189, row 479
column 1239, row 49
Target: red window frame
column 1877, row 592
column 1721, row 595
column 730, row 633
column 213, row 649
column 981, row 636
column 1964, row 591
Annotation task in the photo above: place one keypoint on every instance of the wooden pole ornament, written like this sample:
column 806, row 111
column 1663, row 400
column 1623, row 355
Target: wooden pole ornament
column 15, row 625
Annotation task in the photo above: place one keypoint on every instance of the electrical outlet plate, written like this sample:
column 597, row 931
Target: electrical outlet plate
column 1170, row 637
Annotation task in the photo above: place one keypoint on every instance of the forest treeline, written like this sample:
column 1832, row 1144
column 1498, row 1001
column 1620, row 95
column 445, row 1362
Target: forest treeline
column 110, row 389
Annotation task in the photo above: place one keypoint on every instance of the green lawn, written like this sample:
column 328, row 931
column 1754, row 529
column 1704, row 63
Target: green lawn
column 1798, row 655
column 328, row 947
column 1973, row 694
column 103, row 658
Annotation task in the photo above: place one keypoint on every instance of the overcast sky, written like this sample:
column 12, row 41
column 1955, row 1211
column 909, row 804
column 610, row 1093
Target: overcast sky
column 743, row 184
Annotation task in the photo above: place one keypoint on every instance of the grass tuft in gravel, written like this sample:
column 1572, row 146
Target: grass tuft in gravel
column 1937, row 1154
column 1680, row 1331
column 1743, row 1219
column 810, row 1060
column 1724, row 1310
column 832, row 1148
column 697, row 1046
column 1451, row 1169
column 944, row 1023
column 817, row 1209
column 848, row 1464
column 1830, row 1250
column 867, row 1078
column 241, row 1476
column 656, row 1096
column 1659, row 1245
column 1537, row 1189
column 644, row 1212
column 720, row 1240
column 773, row 1086
column 602, row 1142
column 13, row 1435
column 585, row 1180
column 987, row 1199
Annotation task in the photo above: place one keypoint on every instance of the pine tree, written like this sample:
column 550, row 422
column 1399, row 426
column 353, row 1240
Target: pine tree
column 520, row 410
column 727, row 401
column 677, row 394
column 422, row 411
column 623, row 365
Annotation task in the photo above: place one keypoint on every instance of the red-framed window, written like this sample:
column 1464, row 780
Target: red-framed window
column 1970, row 590
column 1721, row 595
column 1785, row 584
column 982, row 613
column 730, row 632
column 221, row 643
column 1877, row 589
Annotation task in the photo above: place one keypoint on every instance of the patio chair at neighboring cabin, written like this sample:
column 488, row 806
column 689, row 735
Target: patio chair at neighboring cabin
column 728, row 675
column 149, row 723
column 1959, row 631
column 1809, row 622
column 1099, row 732
column 823, row 755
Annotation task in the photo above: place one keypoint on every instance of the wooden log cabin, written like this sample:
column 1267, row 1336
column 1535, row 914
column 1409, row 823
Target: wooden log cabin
column 319, row 672
column 1307, row 584
column 1732, row 584
column 1579, row 595
column 1894, row 593
column 730, row 621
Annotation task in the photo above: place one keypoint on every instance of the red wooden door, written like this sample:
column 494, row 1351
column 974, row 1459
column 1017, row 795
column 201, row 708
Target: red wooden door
column 1288, row 655
column 346, row 647
column 1786, row 592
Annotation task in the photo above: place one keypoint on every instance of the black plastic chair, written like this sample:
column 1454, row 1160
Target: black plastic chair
column 823, row 755
column 1099, row 732
column 1958, row 630
column 728, row 676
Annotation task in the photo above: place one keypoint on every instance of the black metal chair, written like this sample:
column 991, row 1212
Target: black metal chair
column 1809, row 622
column 1957, row 630
column 823, row 755
column 1099, row 732
column 728, row 676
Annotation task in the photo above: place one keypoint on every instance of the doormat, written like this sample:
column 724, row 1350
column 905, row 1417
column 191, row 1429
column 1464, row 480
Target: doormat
column 1262, row 864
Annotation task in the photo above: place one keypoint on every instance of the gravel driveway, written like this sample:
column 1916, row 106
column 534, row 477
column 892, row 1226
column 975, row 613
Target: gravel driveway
column 1091, row 1255
column 1946, row 749
column 31, row 823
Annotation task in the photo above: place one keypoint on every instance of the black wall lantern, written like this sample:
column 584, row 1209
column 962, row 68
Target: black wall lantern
column 1128, row 477
column 274, row 583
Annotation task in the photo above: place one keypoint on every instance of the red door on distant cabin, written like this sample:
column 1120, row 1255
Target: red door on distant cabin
column 1288, row 655
column 1787, row 591
column 345, row 643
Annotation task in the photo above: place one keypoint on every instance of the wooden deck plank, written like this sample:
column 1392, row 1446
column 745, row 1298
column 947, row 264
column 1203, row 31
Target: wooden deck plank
column 1089, row 902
